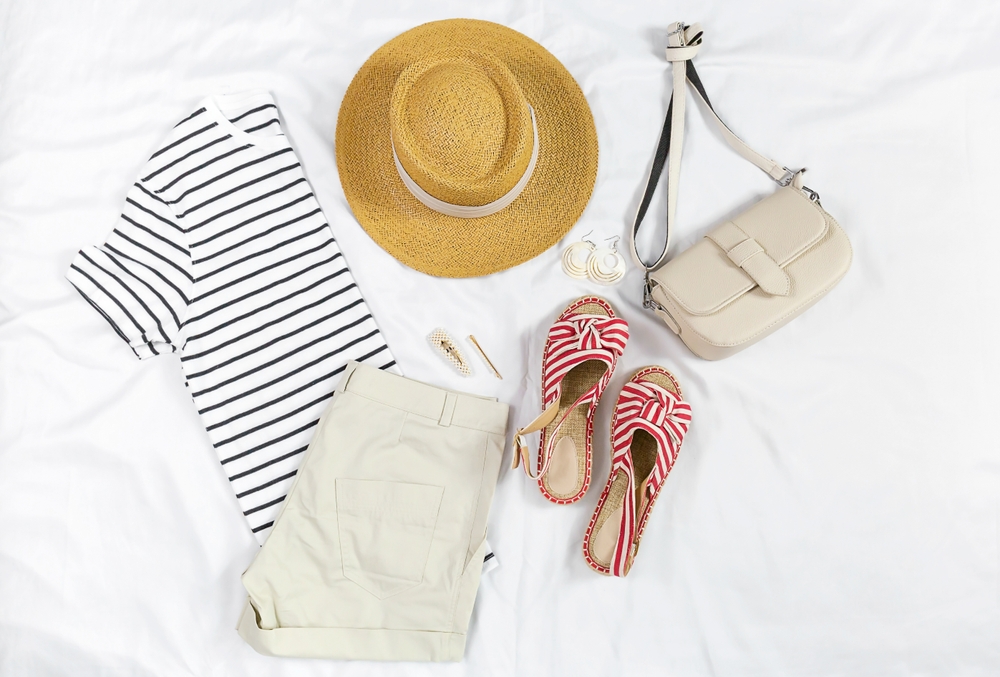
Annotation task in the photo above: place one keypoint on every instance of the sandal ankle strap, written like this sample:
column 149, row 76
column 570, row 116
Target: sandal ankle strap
column 521, row 452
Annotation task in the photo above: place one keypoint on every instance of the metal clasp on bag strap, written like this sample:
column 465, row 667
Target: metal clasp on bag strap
column 648, row 301
column 679, row 29
column 813, row 195
column 789, row 177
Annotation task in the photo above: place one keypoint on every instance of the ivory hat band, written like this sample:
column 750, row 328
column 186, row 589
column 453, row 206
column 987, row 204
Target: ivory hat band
column 465, row 148
column 462, row 211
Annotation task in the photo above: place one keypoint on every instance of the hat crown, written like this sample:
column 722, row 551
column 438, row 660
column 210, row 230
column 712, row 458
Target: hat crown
column 461, row 127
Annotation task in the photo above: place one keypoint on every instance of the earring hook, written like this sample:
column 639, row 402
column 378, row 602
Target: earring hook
column 614, row 245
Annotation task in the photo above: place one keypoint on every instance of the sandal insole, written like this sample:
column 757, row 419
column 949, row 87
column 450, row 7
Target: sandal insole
column 643, row 462
column 568, row 466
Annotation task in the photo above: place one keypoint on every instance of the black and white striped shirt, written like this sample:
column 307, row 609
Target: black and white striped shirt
column 223, row 256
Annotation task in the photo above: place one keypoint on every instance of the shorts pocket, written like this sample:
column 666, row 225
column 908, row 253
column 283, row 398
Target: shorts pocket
column 386, row 530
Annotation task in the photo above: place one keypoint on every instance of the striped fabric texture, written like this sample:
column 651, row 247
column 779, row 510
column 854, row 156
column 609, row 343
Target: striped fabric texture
column 223, row 256
column 576, row 339
column 573, row 339
column 646, row 406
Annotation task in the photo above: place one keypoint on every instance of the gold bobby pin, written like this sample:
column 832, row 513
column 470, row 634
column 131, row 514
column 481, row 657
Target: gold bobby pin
column 482, row 354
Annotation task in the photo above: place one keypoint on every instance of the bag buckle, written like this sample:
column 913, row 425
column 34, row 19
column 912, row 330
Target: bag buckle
column 786, row 180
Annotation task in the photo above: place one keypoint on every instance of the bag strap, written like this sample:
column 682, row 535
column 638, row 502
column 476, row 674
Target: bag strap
column 682, row 45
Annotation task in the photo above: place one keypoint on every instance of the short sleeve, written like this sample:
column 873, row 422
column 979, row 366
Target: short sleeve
column 140, row 278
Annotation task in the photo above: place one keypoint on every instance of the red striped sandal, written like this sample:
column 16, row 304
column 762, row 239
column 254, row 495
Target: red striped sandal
column 647, row 429
column 580, row 355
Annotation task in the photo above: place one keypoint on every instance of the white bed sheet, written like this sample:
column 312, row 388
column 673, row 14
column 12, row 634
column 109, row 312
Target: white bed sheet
column 834, row 510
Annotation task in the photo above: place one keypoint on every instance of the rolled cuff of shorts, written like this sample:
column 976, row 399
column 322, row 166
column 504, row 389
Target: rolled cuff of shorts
column 351, row 643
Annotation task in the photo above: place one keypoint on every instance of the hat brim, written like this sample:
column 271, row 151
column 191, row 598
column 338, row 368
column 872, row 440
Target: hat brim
column 447, row 246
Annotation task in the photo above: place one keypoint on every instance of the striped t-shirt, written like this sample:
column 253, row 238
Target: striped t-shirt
column 222, row 255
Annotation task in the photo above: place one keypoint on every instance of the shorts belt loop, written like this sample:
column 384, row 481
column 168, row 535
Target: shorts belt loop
column 346, row 376
column 448, row 410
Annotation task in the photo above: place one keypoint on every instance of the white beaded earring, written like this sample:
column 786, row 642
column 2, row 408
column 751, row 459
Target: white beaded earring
column 606, row 265
column 576, row 257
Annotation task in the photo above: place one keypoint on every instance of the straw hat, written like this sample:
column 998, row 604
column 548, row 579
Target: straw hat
column 465, row 148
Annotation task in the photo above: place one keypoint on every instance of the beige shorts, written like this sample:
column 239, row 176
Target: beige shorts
column 377, row 552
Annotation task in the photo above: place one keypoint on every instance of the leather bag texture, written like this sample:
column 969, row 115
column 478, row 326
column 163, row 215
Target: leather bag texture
column 757, row 271
column 751, row 275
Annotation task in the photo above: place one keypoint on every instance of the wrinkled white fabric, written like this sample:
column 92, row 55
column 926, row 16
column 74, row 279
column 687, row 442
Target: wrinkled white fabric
column 833, row 510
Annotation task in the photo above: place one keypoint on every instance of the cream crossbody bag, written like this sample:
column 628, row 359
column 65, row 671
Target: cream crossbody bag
column 755, row 272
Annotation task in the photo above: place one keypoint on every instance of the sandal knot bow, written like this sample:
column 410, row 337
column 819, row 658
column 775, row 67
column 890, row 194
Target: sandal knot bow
column 592, row 333
column 659, row 406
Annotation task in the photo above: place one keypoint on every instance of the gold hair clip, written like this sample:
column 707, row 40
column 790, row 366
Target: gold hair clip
column 447, row 346
column 482, row 354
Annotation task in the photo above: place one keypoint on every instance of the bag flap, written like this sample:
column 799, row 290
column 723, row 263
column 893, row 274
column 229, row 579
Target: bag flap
column 750, row 250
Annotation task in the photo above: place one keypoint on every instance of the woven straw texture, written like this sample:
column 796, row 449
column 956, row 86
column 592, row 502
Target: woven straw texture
column 447, row 246
column 461, row 128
